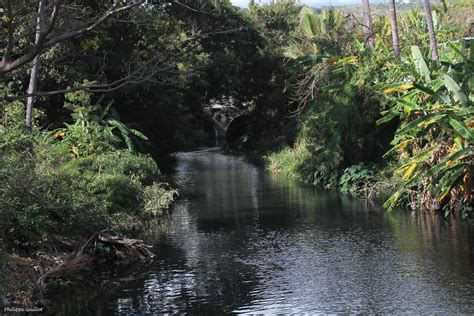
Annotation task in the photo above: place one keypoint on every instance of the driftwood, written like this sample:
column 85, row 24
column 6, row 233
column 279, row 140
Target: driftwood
column 127, row 248
column 72, row 263
column 59, row 263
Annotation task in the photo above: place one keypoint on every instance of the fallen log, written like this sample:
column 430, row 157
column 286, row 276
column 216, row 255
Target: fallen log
column 127, row 248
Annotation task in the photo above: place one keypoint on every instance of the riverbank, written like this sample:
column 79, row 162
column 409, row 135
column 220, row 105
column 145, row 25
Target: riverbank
column 375, row 183
column 368, row 181
column 232, row 239
column 25, row 279
column 69, row 198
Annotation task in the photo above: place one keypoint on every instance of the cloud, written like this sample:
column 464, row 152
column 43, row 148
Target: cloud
column 315, row 3
column 240, row 3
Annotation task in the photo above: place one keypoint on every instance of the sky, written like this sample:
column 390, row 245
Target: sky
column 314, row 3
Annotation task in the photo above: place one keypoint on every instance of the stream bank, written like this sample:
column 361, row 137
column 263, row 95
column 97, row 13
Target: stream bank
column 242, row 240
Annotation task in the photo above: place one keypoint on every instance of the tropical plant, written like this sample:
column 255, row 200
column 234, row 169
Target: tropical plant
column 357, row 179
column 95, row 129
column 436, row 138
column 328, row 24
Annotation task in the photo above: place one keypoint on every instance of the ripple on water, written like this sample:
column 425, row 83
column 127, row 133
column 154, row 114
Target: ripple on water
column 244, row 241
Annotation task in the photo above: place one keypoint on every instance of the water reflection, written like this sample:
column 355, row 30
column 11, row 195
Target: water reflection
column 244, row 241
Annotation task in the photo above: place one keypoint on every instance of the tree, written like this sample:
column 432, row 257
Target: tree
column 34, row 69
column 368, row 29
column 431, row 30
column 393, row 21
column 54, row 14
column 47, row 27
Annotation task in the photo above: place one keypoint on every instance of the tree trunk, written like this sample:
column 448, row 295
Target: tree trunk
column 431, row 31
column 393, row 22
column 30, row 101
column 445, row 6
column 368, row 29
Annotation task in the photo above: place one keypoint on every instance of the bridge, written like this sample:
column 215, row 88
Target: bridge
column 222, row 112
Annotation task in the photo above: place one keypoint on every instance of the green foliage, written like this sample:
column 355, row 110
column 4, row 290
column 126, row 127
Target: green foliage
column 43, row 194
column 156, row 198
column 328, row 24
column 13, row 133
column 336, row 105
column 47, row 191
column 436, row 140
column 357, row 179
column 290, row 161
column 138, row 167
column 338, row 101
column 94, row 130
column 308, row 22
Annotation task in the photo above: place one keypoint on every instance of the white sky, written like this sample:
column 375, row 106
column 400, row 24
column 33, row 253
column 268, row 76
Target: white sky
column 314, row 3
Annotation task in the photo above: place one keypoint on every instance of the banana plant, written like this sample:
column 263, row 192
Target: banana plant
column 435, row 140
column 95, row 130
column 129, row 135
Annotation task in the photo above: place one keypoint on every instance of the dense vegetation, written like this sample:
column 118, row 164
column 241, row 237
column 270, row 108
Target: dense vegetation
column 326, row 102
column 76, row 180
column 353, row 103
column 105, row 101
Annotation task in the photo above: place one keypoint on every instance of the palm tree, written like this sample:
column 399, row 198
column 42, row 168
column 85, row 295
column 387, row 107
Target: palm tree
column 393, row 21
column 431, row 30
column 368, row 29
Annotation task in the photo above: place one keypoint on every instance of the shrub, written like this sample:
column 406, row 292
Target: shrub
column 289, row 161
column 358, row 179
column 156, row 198
column 35, row 202
column 40, row 197
column 136, row 166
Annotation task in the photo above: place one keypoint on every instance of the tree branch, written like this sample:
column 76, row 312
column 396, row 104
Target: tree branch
column 143, row 73
column 43, row 43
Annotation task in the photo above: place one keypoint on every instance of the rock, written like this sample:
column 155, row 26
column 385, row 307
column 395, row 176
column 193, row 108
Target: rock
column 4, row 301
column 12, row 266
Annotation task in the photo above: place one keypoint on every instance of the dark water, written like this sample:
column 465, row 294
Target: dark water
column 244, row 241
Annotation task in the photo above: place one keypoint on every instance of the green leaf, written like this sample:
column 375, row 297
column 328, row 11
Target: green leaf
column 421, row 156
column 455, row 89
column 427, row 119
column 443, row 173
column 465, row 111
column 106, row 109
column 431, row 92
column 448, row 182
column 420, row 63
column 390, row 115
column 409, row 106
column 308, row 22
column 462, row 129
column 138, row 134
column 392, row 201
column 124, row 131
column 453, row 157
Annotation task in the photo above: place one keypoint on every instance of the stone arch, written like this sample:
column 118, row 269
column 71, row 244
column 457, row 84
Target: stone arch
column 237, row 127
column 222, row 113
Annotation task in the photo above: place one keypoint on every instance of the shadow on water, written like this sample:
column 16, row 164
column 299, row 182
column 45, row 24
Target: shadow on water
column 241, row 240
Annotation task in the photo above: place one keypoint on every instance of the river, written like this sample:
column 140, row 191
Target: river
column 241, row 240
